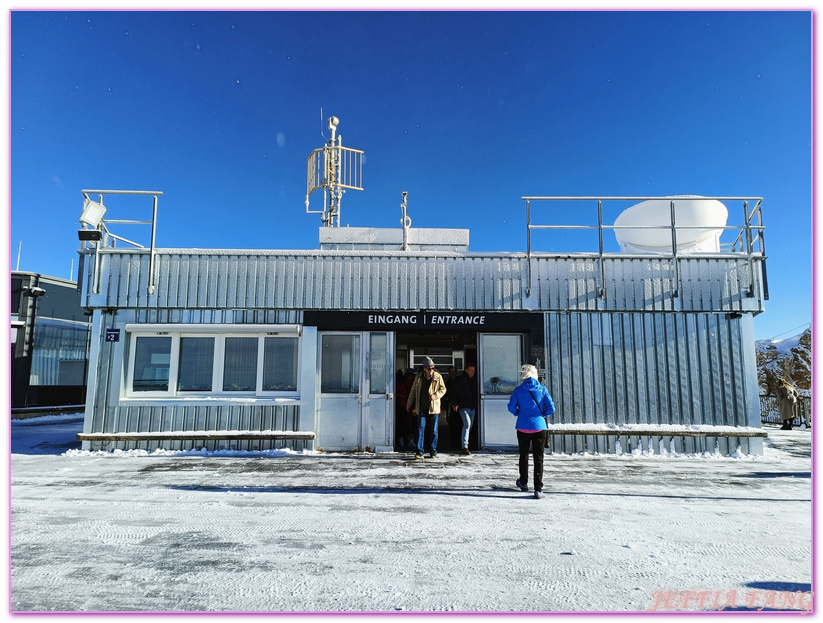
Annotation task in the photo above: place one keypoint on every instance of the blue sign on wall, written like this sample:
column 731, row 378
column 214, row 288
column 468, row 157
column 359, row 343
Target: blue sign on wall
column 112, row 335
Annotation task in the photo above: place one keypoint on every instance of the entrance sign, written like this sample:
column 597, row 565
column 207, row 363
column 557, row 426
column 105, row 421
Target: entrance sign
column 423, row 320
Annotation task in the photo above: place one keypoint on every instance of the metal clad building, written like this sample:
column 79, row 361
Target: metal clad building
column 620, row 340
column 49, row 339
column 252, row 349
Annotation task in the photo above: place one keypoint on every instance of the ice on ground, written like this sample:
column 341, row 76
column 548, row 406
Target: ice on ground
column 297, row 532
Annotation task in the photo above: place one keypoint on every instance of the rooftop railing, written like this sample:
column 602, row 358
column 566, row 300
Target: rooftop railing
column 95, row 230
column 748, row 241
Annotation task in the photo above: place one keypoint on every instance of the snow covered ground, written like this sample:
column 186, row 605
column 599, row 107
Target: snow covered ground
column 287, row 532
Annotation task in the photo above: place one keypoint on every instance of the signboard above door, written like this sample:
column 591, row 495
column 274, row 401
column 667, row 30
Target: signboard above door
column 422, row 320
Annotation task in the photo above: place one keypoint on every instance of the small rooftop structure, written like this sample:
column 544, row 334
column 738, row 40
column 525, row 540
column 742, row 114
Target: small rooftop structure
column 387, row 239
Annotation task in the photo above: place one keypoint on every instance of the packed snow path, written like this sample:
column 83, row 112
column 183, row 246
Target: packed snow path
column 339, row 532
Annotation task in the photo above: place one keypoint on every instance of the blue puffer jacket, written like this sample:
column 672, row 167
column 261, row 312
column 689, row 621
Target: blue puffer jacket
column 521, row 404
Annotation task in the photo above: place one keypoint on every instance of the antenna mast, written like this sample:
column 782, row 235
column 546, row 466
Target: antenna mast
column 333, row 168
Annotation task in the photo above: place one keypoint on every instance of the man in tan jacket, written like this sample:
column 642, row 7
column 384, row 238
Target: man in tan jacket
column 424, row 401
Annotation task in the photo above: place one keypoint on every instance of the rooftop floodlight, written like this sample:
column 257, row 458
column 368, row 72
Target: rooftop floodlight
column 93, row 213
column 90, row 234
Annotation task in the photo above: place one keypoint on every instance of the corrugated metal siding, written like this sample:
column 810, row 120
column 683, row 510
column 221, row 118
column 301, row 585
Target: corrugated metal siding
column 647, row 368
column 109, row 415
column 218, row 316
column 187, row 418
column 624, row 356
column 285, row 280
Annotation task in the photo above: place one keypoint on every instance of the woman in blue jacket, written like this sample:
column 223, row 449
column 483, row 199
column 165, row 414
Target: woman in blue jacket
column 532, row 404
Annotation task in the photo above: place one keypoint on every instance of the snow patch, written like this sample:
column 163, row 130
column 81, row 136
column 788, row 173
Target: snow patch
column 160, row 452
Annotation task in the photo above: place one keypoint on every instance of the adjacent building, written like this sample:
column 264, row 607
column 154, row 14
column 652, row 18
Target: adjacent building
column 49, row 342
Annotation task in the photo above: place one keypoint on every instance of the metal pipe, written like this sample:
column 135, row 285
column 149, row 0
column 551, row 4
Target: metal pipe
column 95, row 282
column 602, row 290
column 637, row 198
column 151, row 256
column 762, row 237
column 528, row 248
column 674, row 255
column 122, row 192
column 405, row 222
column 116, row 237
column 749, row 245
column 616, row 227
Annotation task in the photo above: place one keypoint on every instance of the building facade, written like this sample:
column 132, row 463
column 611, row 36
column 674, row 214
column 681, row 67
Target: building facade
column 49, row 342
column 312, row 340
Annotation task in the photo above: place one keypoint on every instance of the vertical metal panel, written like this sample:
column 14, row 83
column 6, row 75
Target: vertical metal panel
column 295, row 284
column 615, row 368
column 690, row 362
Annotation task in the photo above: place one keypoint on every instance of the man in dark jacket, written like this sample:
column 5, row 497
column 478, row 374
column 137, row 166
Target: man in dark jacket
column 466, row 404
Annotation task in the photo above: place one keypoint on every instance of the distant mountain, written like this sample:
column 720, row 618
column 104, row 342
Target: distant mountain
column 790, row 359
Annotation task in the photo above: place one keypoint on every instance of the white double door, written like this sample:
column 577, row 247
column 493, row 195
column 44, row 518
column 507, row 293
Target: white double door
column 356, row 370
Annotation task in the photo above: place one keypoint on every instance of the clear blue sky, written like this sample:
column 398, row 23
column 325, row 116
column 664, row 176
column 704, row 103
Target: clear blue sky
column 467, row 111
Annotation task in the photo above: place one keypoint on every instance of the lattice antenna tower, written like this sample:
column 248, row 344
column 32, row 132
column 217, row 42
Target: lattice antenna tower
column 334, row 169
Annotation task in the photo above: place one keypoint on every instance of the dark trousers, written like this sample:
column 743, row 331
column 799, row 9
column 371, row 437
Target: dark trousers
column 427, row 432
column 536, row 442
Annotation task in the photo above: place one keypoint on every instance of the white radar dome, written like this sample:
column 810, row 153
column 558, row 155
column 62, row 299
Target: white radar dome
column 699, row 223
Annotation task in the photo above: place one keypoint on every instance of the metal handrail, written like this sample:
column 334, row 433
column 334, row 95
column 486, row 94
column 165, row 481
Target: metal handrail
column 108, row 235
column 750, row 235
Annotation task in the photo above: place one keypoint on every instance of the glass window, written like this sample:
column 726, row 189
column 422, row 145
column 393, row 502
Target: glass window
column 152, row 356
column 280, row 364
column 196, row 364
column 56, row 342
column 501, row 363
column 240, row 364
column 340, row 372
column 377, row 363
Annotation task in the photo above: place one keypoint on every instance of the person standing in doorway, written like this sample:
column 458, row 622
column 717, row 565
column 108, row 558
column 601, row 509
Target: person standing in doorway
column 787, row 403
column 452, row 417
column 532, row 404
column 406, row 422
column 410, row 418
column 424, row 400
column 466, row 405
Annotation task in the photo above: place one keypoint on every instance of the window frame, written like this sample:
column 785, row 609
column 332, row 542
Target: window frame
column 174, row 346
column 134, row 332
